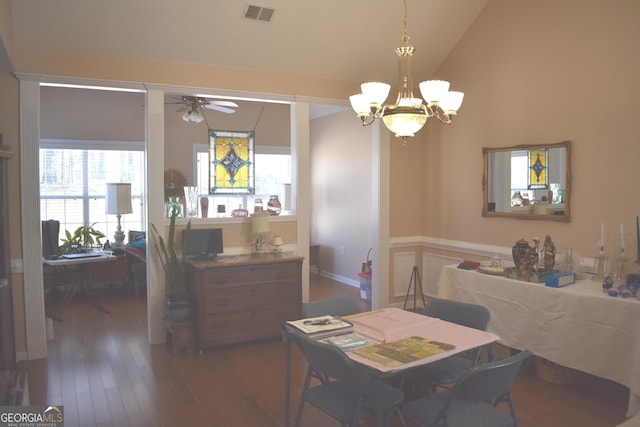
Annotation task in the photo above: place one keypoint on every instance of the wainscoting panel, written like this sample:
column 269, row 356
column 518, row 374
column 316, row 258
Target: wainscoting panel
column 403, row 263
column 432, row 266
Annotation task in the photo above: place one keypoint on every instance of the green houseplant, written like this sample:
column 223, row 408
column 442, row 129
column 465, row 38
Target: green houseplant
column 82, row 239
column 173, row 260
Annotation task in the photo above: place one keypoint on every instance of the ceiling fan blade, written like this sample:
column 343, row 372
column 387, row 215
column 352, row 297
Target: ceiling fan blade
column 223, row 103
column 220, row 108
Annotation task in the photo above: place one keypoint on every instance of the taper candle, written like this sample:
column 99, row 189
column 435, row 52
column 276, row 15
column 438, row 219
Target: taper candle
column 638, row 239
column 602, row 236
column 622, row 237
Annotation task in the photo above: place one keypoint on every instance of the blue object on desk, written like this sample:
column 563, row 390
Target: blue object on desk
column 558, row 280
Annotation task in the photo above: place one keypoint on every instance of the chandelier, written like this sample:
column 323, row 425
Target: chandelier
column 409, row 114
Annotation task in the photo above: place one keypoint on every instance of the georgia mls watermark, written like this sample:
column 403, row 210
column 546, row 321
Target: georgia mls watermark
column 31, row 416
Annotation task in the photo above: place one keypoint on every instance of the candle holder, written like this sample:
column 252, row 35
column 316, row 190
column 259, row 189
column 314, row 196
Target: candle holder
column 622, row 266
column 602, row 266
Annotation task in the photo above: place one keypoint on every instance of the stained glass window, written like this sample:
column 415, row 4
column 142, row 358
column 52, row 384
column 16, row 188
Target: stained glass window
column 231, row 162
column 538, row 169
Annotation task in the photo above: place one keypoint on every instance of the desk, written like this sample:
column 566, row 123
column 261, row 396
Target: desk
column 114, row 271
column 392, row 324
column 76, row 271
column 577, row 326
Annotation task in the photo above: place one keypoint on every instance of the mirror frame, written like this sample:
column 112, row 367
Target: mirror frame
column 527, row 215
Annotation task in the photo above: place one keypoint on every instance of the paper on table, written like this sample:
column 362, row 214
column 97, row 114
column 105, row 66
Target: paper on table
column 385, row 324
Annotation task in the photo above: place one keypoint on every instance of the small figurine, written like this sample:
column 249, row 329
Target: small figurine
column 539, row 256
column 549, row 254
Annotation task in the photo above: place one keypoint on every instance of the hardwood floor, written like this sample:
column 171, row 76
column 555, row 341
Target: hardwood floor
column 104, row 372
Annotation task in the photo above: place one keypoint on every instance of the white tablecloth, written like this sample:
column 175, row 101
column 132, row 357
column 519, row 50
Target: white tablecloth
column 577, row 326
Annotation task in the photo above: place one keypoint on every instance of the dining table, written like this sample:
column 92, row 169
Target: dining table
column 576, row 326
column 390, row 325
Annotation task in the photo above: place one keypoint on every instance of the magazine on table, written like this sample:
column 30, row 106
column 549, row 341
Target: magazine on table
column 403, row 351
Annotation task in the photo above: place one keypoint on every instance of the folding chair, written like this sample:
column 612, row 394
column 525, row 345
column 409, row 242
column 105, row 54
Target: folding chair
column 473, row 399
column 447, row 371
column 348, row 395
column 341, row 306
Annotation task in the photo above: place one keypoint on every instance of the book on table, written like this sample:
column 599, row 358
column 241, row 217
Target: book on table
column 323, row 326
column 348, row 341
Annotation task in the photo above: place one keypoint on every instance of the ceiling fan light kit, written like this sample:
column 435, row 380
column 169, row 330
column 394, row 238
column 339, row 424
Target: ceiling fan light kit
column 194, row 105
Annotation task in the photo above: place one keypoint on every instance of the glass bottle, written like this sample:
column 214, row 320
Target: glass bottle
column 173, row 207
column 257, row 206
column 273, row 205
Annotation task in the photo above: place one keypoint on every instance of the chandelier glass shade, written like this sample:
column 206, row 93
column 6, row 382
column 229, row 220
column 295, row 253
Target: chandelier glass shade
column 409, row 114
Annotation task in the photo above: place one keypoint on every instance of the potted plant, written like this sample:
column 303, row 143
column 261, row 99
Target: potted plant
column 82, row 239
column 173, row 259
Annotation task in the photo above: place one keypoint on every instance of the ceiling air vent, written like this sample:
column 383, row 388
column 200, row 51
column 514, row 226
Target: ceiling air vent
column 258, row 13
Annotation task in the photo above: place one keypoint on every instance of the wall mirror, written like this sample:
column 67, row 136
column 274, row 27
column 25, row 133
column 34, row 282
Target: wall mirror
column 527, row 181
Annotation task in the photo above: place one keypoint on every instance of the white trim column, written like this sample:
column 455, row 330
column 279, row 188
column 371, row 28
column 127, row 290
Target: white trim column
column 380, row 190
column 36, row 334
column 154, row 149
column 301, row 179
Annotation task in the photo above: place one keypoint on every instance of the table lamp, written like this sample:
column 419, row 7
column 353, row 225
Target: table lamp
column 259, row 226
column 118, row 202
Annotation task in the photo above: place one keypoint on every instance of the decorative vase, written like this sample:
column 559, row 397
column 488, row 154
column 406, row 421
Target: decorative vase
column 274, row 207
column 239, row 212
column 191, row 201
column 178, row 309
column 173, row 206
column 204, row 206
column 525, row 257
column 257, row 206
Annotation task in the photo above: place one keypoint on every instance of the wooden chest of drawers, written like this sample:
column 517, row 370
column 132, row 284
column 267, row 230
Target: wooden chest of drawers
column 243, row 298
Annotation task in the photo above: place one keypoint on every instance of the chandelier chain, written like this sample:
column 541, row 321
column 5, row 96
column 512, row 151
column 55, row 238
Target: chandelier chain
column 405, row 35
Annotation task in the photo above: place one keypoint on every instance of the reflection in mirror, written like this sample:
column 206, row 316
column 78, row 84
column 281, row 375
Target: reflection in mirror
column 527, row 181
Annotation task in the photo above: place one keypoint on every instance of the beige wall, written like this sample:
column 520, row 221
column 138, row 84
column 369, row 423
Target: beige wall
column 85, row 114
column 541, row 72
column 6, row 34
column 341, row 193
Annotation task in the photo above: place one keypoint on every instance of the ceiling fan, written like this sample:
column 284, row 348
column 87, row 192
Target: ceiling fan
column 192, row 106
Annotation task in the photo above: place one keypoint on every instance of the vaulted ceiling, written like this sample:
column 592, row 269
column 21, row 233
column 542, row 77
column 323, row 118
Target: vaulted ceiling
column 352, row 40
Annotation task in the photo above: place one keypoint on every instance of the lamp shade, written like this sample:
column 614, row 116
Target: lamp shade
column 277, row 241
column 451, row 102
column 375, row 92
column 118, row 198
column 259, row 223
column 433, row 91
